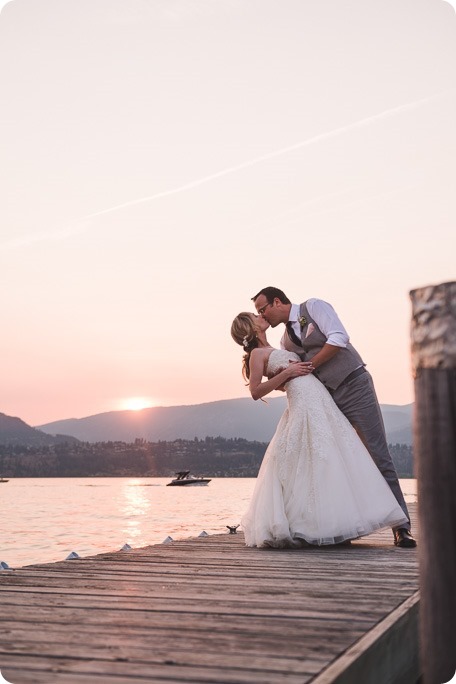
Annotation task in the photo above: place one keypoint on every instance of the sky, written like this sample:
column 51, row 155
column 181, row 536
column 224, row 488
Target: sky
column 163, row 160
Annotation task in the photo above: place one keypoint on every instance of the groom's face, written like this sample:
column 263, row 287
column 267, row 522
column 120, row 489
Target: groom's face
column 270, row 312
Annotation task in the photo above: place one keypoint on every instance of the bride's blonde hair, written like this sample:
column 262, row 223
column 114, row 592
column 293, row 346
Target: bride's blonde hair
column 243, row 332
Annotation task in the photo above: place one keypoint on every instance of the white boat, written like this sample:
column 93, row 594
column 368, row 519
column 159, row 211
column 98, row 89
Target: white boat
column 185, row 479
column 2, row 480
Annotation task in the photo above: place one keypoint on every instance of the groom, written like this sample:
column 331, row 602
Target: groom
column 315, row 332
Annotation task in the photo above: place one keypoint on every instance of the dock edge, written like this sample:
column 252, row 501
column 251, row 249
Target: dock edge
column 389, row 652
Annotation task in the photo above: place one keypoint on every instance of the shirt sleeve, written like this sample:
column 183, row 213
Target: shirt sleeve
column 328, row 321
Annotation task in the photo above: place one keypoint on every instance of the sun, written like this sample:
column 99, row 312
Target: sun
column 137, row 403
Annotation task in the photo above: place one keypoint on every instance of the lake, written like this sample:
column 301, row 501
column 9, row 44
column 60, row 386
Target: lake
column 44, row 519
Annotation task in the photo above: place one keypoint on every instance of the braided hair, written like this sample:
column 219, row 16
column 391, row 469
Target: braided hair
column 243, row 332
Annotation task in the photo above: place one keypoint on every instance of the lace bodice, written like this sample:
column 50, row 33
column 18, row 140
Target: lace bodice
column 308, row 401
column 279, row 359
column 305, row 394
column 297, row 389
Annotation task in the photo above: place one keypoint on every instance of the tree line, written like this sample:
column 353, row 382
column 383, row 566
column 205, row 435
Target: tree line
column 211, row 457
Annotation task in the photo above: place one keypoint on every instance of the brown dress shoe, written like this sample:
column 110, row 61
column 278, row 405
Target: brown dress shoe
column 404, row 539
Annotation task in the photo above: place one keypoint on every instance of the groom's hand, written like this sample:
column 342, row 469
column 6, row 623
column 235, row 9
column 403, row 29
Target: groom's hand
column 294, row 370
column 300, row 368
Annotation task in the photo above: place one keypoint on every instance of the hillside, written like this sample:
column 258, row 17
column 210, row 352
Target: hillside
column 13, row 431
column 229, row 418
column 214, row 457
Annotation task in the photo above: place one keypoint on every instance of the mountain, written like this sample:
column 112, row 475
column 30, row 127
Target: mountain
column 254, row 421
column 226, row 418
column 14, row 431
column 398, row 423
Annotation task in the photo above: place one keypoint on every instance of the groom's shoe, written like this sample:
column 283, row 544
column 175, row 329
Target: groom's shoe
column 404, row 539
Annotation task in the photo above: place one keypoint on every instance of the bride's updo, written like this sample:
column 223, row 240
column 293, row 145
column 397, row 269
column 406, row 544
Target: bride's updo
column 243, row 332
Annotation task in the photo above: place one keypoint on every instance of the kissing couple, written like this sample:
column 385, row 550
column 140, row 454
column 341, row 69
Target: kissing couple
column 327, row 475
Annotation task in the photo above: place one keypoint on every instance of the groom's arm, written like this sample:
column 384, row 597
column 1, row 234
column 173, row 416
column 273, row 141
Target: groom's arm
column 331, row 326
column 327, row 352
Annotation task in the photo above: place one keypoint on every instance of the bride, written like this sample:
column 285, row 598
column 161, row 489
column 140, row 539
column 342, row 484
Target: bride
column 317, row 483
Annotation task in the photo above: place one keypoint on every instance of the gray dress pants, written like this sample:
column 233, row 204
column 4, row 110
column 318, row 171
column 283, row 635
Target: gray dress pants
column 358, row 402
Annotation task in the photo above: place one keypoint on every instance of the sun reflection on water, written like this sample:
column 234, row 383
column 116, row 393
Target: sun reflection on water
column 50, row 517
column 135, row 505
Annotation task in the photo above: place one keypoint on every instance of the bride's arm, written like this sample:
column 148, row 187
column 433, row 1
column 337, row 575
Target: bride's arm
column 259, row 389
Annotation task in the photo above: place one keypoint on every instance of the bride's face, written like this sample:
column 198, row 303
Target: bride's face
column 259, row 322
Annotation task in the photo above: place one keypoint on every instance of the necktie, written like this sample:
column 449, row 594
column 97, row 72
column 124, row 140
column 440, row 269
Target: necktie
column 292, row 335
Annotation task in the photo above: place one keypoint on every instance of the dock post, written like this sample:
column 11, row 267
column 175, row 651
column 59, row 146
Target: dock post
column 433, row 346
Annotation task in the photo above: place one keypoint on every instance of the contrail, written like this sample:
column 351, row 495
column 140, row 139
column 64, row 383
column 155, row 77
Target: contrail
column 269, row 155
column 78, row 226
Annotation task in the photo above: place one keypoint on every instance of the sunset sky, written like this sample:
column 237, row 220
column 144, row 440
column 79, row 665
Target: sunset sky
column 163, row 160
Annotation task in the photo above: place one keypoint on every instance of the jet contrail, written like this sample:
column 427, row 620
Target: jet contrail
column 78, row 226
column 269, row 155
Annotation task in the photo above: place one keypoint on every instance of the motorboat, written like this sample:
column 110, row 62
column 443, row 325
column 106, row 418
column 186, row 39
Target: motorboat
column 2, row 480
column 185, row 479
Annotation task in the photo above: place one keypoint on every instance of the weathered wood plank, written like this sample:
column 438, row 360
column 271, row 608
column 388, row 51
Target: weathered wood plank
column 152, row 672
column 203, row 610
column 99, row 649
column 326, row 608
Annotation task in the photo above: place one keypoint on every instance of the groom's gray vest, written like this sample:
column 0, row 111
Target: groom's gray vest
column 333, row 372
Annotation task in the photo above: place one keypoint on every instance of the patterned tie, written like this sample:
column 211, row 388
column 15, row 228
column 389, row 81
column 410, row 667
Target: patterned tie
column 292, row 335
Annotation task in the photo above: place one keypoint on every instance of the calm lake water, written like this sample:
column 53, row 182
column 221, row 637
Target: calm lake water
column 43, row 520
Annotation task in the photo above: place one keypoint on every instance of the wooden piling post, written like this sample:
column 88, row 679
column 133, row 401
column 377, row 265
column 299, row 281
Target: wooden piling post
column 433, row 342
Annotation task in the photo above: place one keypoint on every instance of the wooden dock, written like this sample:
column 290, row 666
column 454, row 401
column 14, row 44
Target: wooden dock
column 208, row 610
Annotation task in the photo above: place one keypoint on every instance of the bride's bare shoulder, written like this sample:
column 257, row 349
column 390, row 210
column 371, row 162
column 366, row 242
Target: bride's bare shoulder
column 260, row 355
column 260, row 351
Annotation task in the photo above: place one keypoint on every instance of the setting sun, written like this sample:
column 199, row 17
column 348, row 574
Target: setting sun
column 137, row 403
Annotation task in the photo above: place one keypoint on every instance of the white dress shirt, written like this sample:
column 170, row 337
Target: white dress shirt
column 325, row 317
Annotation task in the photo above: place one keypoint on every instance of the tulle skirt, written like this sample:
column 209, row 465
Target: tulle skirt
column 317, row 482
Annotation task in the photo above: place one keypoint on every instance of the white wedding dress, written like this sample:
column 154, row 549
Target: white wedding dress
column 317, row 481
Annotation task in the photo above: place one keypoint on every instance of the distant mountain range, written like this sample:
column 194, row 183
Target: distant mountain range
column 13, row 431
column 254, row 421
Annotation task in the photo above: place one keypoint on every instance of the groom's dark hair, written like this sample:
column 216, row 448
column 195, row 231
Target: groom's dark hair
column 272, row 293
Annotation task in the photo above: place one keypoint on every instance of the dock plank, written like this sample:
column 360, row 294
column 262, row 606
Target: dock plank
column 199, row 610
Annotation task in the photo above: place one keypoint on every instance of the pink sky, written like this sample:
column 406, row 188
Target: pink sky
column 163, row 161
